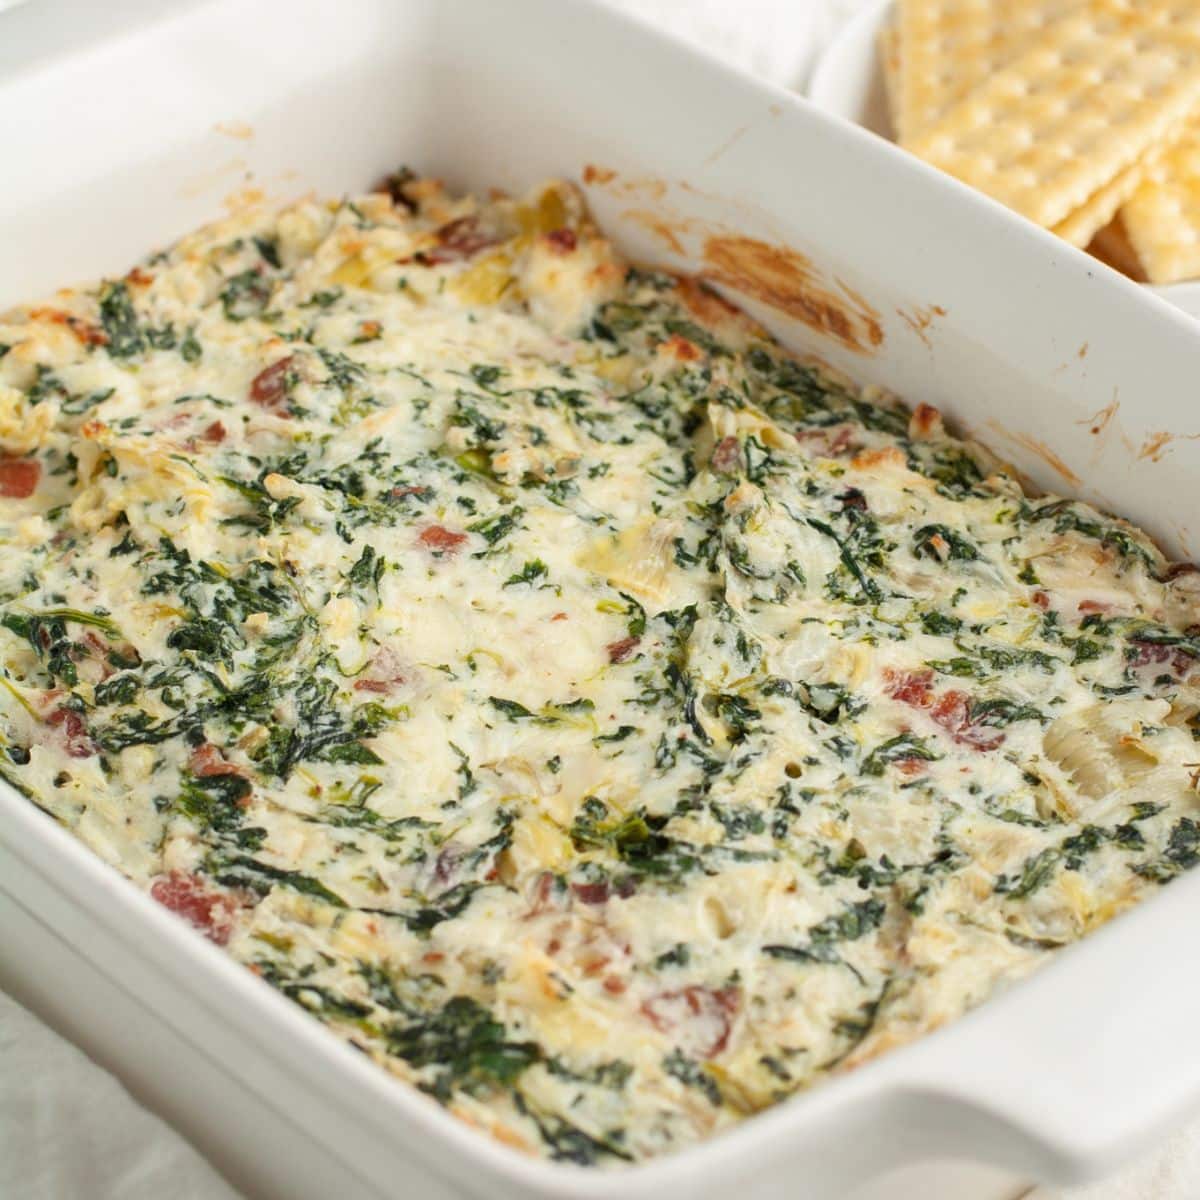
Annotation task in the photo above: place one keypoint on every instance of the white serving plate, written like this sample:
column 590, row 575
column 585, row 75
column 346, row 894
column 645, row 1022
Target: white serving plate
column 848, row 82
column 117, row 145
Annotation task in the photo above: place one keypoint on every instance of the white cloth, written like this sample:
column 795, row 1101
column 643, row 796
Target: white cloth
column 776, row 40
column 1171, row 1172
column 69, row 1131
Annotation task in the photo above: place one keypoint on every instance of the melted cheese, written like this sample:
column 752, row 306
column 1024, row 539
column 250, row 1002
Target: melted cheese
column 606, row 721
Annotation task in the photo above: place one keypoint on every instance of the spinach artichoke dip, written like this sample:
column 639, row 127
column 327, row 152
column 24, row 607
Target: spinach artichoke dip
column 606, row 721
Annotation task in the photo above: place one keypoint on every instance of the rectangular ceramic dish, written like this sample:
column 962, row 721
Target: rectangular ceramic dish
column 119, row 141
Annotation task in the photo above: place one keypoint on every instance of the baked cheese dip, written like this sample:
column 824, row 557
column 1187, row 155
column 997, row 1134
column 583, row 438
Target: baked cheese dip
column 606, row 721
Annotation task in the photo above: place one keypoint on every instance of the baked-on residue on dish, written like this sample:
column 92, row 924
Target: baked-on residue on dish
column 605, row 720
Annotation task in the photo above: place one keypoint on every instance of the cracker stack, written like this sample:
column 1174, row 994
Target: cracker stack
column 1071, row 112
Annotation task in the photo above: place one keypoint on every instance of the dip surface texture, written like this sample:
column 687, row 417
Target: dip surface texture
column 608, row 722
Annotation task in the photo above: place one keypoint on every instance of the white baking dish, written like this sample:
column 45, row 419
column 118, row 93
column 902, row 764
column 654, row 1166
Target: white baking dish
column 112, row 148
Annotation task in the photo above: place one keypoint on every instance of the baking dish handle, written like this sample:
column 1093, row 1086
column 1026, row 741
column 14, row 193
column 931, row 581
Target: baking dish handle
column 1083, row 1065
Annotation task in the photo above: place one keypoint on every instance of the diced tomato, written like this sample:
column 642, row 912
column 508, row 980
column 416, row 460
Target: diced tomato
column 19, row 477
column 97, row 652
column 210, row 911
column 139, row 277
column 1041, row 600
column 73, row 731
column 620, row 651
column 206, row 760
column 384, row 673
column 269, row 388
column 832, row 442
column 563, row 241
column 841, row 441
column 398, row 493
column 727, row 456
column 1144, row 654
column 214, row 434
column 953, row 713
column 951, row 710
column 441, row 540
column 458, row 240
column 910, row 687
column 614, row 985
column 910, row 766
column 700, row 1017
column 94, row 643
column 592, row 893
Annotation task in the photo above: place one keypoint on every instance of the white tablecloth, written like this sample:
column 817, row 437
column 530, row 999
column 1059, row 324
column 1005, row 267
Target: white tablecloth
column 69, row 1131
